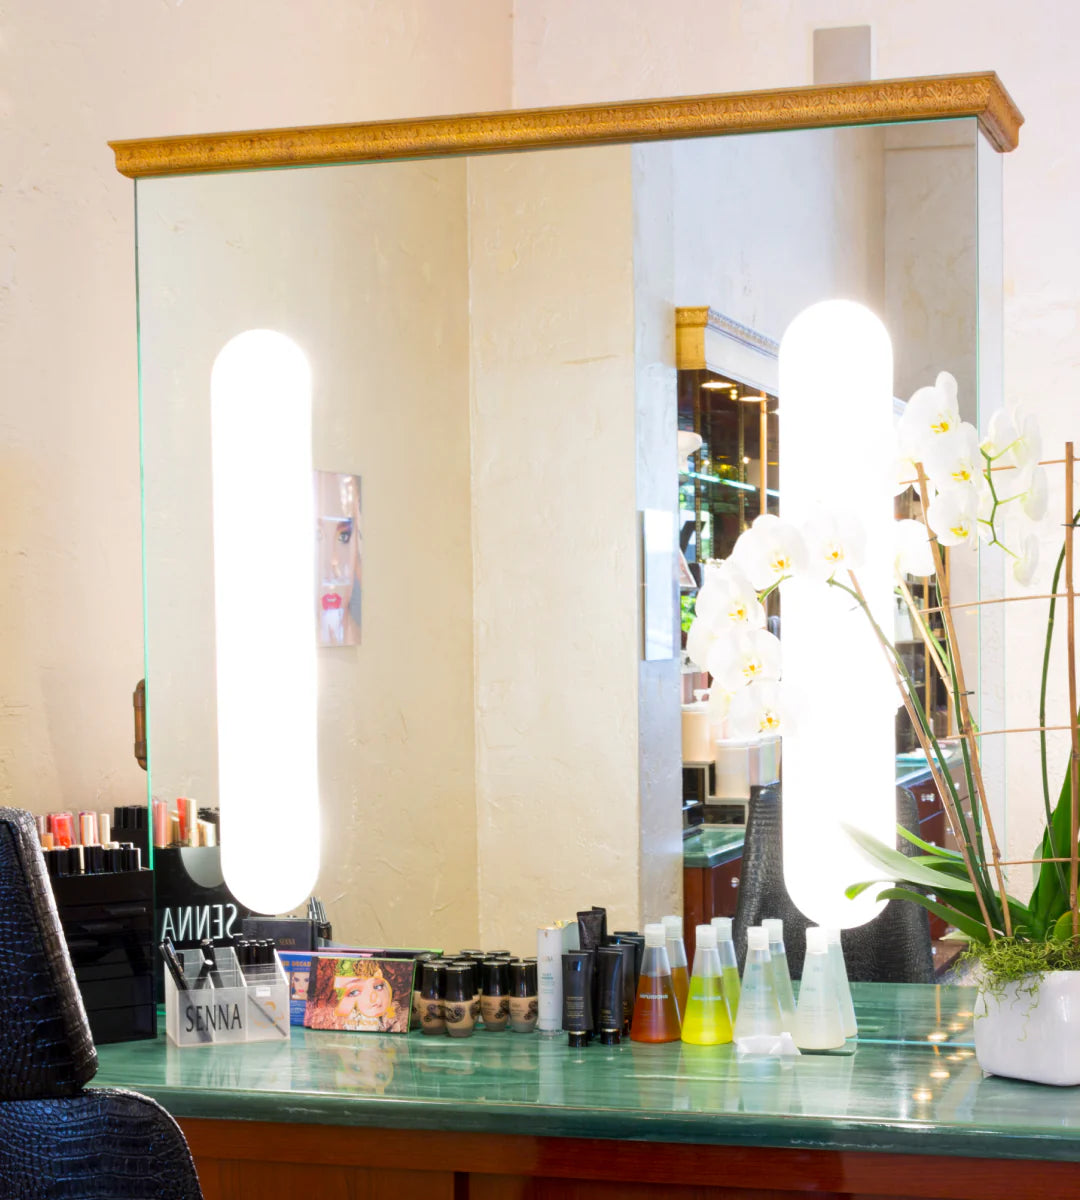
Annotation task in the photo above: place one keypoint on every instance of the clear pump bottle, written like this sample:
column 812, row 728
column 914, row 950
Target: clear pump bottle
column 680, row 966
column 707, row 1021
column 656, row 1013
column 729, row 963
column 759, row 1009
column 840, row 982
column 785, row 994
column 818, row 1021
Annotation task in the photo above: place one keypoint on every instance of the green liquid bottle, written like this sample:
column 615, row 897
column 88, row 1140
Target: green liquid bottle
column 707, row 1021
column 729, row 963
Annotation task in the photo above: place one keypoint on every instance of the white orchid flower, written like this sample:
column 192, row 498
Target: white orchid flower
column 914, row 555
column 834, row 542
column 727, row 597
column 770, row 550
column 905, row 475
column 954, row 458
column 756, row 709
column 1026, row 450
column 719, row 704
column 738, row 659
column 953, row 516
column 1001, row 434
column 1034, row 500
column 931, row 412
column 700, row 639
column 1024, row 565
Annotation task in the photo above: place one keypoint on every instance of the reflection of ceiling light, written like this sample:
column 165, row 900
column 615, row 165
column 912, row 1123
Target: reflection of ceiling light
column 922, row 1095
column 748, row 399
column 745, row 460
column 715, row 385
column 940, row 1073
column 938, row 1036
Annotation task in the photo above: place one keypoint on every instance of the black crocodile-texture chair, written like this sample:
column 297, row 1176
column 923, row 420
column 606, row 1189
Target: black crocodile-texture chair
column 892, row 948
column 60, row 1140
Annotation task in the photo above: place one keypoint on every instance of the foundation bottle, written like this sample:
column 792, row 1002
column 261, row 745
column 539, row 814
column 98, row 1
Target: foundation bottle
column 524, row 995
column 759, row 1009
column 457, row 1006
column 785, row 994
column 680, row 967
column 495, row 993
column 656, row 1011
column 818, row 1021
column 840, row 982
column 707, row 1021
column 432, row 998
column 729, row 963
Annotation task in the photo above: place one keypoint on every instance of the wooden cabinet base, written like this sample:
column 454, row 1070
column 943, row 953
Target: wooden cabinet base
column 252, row 1160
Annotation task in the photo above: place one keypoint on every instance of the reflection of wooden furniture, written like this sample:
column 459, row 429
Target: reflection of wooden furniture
column 712, row 864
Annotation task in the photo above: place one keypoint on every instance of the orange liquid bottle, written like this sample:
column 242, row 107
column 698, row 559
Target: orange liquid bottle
column 656, row 1011
column 680, row 968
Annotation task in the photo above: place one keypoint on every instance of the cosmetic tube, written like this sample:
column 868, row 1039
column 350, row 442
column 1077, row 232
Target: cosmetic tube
column 656, row 1011
column 707, row 1020
column 523, row 995
column 610, row 968
column 785, row 994
column 590, row 928
column 759, row 1009
column 577, row 986
column 629, row 953
column 549, row 979
column 819, row 1024
column 840, row 981
column 495, row 993
column 603, row 923
column 104, row 821
column 725, row 947
column 637, row 940
column 458, row 1003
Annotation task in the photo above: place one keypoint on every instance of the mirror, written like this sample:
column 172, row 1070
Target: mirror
column 493, row 349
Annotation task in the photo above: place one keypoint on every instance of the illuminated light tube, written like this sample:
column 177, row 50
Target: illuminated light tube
column 264, row 521
column 839, row 748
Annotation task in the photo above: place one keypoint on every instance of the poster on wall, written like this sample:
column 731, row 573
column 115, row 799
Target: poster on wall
column 337, row 558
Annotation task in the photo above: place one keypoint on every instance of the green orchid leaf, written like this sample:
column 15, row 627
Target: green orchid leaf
column 1063, row 928
column 897, row 866
column 975, row 930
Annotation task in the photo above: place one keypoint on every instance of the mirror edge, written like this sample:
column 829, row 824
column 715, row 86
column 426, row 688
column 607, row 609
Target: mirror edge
column 928, row 98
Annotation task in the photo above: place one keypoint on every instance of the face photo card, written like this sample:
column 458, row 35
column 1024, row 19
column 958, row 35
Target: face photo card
column 363, row 995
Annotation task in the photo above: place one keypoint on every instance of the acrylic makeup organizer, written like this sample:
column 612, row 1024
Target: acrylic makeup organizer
column 250, row 1005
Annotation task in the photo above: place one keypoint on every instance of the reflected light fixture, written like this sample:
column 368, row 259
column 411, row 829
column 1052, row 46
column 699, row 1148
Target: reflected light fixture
column 836, row 374
column 264, row 521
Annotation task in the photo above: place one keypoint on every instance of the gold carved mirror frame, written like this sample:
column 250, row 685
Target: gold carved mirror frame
column 929, row 98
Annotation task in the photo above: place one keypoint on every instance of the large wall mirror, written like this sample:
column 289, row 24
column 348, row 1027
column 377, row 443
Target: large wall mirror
column 492, row 342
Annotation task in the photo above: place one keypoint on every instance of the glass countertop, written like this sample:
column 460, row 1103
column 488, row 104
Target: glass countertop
column 910, row 1084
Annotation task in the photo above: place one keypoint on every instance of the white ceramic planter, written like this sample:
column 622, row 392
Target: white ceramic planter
column 1031, row 1037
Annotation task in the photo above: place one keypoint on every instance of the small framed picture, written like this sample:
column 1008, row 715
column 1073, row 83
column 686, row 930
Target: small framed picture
column 362, row 995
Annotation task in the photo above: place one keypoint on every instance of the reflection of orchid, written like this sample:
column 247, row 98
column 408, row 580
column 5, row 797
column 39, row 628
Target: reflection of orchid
column 1024, row 564
column 913, row 553
column 931, row 412
column 769, row 551
column 742, row 658
column 756, row 710
column 728, row 597
column 1034, row 500
column 834, row 542
column 953, row 516
column 954, row 459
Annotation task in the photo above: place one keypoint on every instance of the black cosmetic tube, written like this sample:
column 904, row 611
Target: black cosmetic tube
column 603, row 923
column 610, row 965
column 590, row 928
column 629, row 952
column 637, row 940
column 577, row 970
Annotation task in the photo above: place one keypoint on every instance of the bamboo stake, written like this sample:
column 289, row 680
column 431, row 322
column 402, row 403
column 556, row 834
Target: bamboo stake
column 1044, row 462
column 998, row 600
column 964, row 714
column 999, row 732
column 928, row 641
column 1028, row 862
column 936, row 773
column 1074, row 760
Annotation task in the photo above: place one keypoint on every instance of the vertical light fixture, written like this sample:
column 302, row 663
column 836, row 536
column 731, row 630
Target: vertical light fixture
column 839, row 749
column 264, row 521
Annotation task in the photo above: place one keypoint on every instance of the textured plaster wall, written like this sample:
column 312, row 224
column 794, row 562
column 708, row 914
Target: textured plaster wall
column 72, row 76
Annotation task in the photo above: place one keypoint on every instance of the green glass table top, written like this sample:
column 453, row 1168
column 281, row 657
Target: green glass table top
column 910, row 1084
column 714, row 845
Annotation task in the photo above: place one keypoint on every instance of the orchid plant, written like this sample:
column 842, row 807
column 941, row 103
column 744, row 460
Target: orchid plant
column 992, row 492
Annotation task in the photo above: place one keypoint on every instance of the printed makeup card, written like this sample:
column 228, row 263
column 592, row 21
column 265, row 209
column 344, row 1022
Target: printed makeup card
column 371, row 995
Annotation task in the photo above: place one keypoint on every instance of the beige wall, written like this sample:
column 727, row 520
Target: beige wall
column 74, row 75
